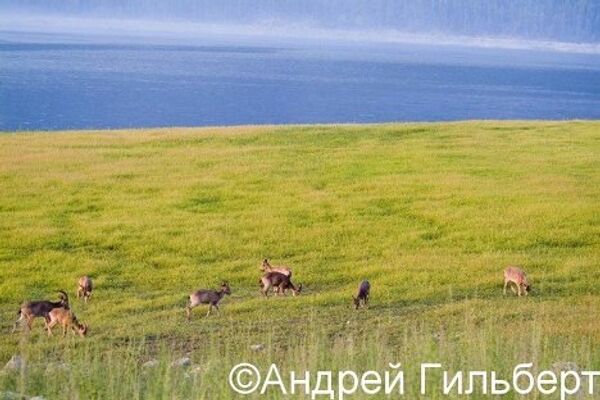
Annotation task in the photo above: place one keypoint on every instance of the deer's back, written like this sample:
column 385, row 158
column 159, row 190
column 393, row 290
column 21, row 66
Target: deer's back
column 277, row 268
column 61, row 314
column 513, row 273
column 85, row 282
column 283, row 270
column 276, row 278
column 204, row 296
column 39, row 307
column 364, row 288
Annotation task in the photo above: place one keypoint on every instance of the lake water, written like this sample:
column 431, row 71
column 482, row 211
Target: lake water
column 62, row 82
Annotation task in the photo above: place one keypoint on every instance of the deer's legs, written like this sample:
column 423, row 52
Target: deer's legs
column 18, row 322
column 29, row 322
column 265, row 289
column 210, row 307
column 49, row 326
column 280, row 290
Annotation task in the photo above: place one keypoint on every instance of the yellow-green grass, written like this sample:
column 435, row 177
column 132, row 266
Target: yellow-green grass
column 429, row 213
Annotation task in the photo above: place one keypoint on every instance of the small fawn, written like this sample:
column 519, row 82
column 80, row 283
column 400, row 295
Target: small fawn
column 66, row 318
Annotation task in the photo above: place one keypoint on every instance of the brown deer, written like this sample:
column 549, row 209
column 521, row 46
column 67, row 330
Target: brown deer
column 67, row 319
column 362, row 296
column 85, row 287
column 267, row 267
column 279, row 282
column 207, row 296
column 516, row 276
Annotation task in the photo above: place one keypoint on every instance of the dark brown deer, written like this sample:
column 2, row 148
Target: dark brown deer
column 85, row 287
column 517, row 276
column 40, row 308
column 207, row 296
column 279, row 282
column 362, row 296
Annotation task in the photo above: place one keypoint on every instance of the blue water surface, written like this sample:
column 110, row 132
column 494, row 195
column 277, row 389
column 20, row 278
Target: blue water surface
column 54, row 82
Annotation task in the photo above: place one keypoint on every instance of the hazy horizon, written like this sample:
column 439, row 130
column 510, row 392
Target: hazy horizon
column 547, row 24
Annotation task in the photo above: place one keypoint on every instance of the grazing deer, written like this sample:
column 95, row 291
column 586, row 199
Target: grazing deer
column 279, row 282
column 206, row 296
column 40, row 308
column 66, row 318
column 517, row 276
column 85, row 288
column 267, row 267
column 363, row 294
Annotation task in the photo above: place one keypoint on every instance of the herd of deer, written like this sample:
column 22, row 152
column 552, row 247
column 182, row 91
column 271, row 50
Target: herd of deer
column 277, row 278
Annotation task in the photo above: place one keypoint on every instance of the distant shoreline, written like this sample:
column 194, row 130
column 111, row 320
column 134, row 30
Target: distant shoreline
column 253, row 128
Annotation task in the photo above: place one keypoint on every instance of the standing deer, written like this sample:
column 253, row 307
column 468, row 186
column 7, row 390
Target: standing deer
column 85, row 288
column 363, row 294
column 267, row 267
column 279, row 282
column 40, row 308
column 207, row 296
column 517, row 276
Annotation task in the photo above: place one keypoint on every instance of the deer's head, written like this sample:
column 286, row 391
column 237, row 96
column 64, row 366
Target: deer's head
column 225, row 287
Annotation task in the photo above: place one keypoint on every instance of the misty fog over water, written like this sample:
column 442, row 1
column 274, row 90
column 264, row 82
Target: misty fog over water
column 141, row 63
column 576, row 21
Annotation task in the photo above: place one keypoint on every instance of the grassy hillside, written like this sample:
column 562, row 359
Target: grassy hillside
column 429, row 213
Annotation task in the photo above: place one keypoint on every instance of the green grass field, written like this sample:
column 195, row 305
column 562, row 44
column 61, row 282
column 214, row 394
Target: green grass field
column 431, row 214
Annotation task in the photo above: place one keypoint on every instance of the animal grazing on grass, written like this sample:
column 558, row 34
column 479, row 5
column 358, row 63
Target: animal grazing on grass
column 40, row 308
column 85, row 288
column 279, row 282
column 362, row 296
column 207, row 296
column 67, row 319
column 516, row 276
column 267, row 267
